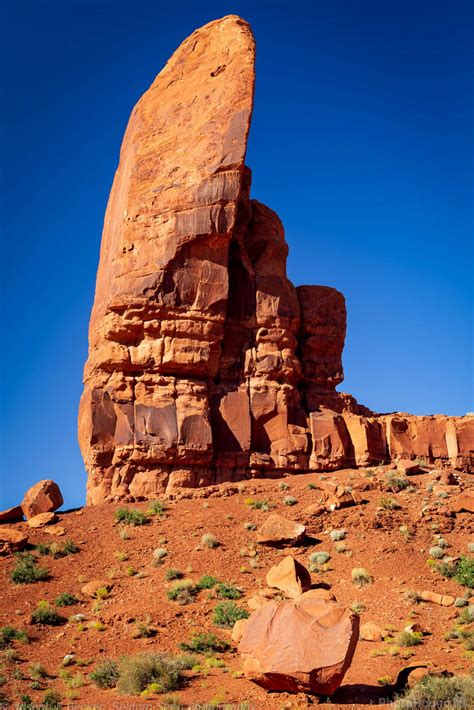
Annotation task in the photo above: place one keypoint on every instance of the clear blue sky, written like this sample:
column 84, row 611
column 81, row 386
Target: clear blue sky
column 362, row 141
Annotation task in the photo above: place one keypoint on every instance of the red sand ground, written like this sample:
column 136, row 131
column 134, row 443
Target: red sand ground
column 396, row 564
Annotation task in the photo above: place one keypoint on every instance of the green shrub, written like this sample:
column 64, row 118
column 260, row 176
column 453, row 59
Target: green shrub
column 8, row 634
column 37, row 671
column 47, row 615
column 262, row 504
column 409, row 638
column 137, row 673
column 395, row 483
column 205, row 643
column 207, row 582
column 172, row 574
column 66, row 599
column 337, row 535
column 389, row 503
column 319, row 558
column 106, row 674
column 228, row 591
column 131, row 517
column 227, row 613
column 439, row 692
column 182, row 591
column 464, row 573
column 361, row 577
column 156, row 507
column 26, row 570
column 51, row 699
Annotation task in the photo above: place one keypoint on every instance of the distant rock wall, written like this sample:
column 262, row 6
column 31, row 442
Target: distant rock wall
column 205, row 363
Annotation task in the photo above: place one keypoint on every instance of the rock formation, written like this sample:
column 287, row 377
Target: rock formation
column 205, row 363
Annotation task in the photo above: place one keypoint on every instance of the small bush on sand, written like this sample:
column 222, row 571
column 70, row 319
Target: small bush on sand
column 209, row 540
column 51, row 699
column 106, row 674
column 182, row 591
column 262, row 504
column 131, row 517
column 8, row 634
column 436, row 552
column 228, row 591
column 46, row 614
column 250, row 526
column 439, row 692
column 389, row 503
column 156, row 507
column 409, row 638
column 172, row 574
column 66, row 599
column 290, row 500
column 205, row 643
column 361, row 577
column 464, row 573
column 337, row 535
column 37, row 671
column 26, row 570
column 137, row 673
column 319, row 558
column 227, row 613
column 394, row 482
column 207, row 582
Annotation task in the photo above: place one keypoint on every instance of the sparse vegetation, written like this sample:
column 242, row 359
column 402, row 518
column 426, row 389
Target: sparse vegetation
column 207, row 582
column 27, row 571
column 164, row 671
column 464, row 573
column 205, row 643
column 319, row 558
column 227, row 613
column 389, row 503
column 209, row 540
column 172, row 574
column 395, row 483
column 8, row 634
column 250, row 526
column 46, row 615
column 262, row 504
column 131, row 517
column 337, row 535
column 51, row 699
column 411, row 595
column 361, row 577
column 283, row 486
column 409, row 638
column 228, row 591
column 37, row 671
column 289, row 500
column 156, row 507
column 66, row 599
column 182, row 592
column 106, row 674
column 439, row 692
column 121, row 556
column 436, row 553
column 358, row 608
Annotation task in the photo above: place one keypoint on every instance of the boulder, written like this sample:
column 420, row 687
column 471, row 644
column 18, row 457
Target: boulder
column 43, row 497
column 435, row 598
column 12, row 540
column 11, row 515
column 300, row 645
column 289, row 576
column 464, row 502
column 91, row 588
column 371, row 632
column 407, row 467
column 277, row 530
column 42, row 519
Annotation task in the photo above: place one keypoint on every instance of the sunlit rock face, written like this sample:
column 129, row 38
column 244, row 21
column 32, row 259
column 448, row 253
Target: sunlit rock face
column 205, row 363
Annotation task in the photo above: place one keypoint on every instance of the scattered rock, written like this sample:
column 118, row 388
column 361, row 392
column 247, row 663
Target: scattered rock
column 42, row 519
column 464, row 502
column 11, row 515
column 447, row 478
column 300, row 645
column 407, row 467
column 315, row 510
column 90, row 589
column 12, row 540
column 371, row 632
column 277, row 530
column 290, row 576
column 43, row 497
column 442, row 599
column 57, row 530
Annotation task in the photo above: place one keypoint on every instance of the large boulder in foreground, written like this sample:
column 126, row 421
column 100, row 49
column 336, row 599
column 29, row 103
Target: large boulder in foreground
column 43, row 497
column 300, row 645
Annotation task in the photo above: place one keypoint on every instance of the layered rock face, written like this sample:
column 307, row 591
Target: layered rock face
column 205, row 363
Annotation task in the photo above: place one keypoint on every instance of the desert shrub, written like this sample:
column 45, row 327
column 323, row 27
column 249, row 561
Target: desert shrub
column 228, row 591
column 289, row 500
column 46, row 614
column 460, row 602
column 8, row 634
column 27, row 571
column 283, row 486
column 106, row 674
column 182, row 591
column 337, row 535
column 319, row 558
column 144, row 630
column 121, row 556
column 412, row 595
column 205, row 643
column 361, row 577
column 250, row 526
column 436, row 552
column 467, row 615
column 464, row 573
column 159, row 555
column 131, row 517
column 124, row 532
column 311, row 486
column 409, row 638
column 207, row 582
column 358, row 608
column 156, row 507
column 389, row 503
column 68, row 548
column 227, row 613
column 395, row 483
column 209, row 540
column 51, row 699
column 66, row 599
column 441, row 542
column 137, row 673
column 37, row 671
column 262, row 504
column 172, row 574
column 439, row 692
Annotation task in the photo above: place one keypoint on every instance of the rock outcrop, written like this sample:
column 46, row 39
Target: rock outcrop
column 205, row 363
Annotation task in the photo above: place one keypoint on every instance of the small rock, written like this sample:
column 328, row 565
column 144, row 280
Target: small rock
column 277, row 530
column 57, row 530
column 290, row 576
column 43, row 497
column 42, row 519
column 12, row 540
column 442, row 599
column 407, row 467
column 371, row 632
